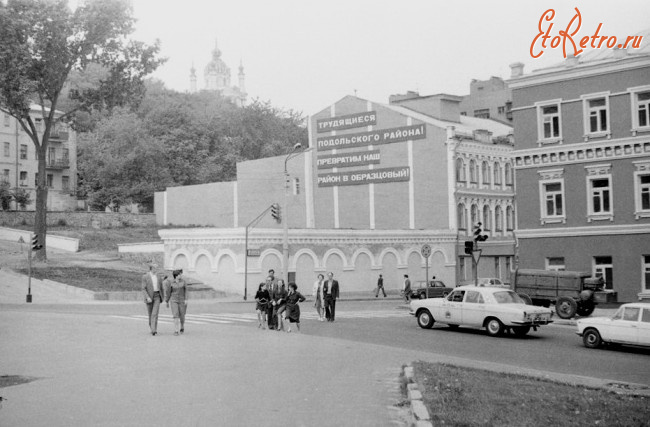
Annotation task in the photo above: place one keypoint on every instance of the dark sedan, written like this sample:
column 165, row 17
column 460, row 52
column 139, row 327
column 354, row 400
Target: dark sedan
column 434, row 289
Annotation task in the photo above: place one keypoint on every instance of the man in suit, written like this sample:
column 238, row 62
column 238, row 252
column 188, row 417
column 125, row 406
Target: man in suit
column 407, row 288
column 330, row 293
column 152, row 289
column 380, row 286
column 272, row 286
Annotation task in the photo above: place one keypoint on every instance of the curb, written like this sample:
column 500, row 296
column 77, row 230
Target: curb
column 418, row 413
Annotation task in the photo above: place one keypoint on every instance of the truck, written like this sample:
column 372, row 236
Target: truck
column 570, row 291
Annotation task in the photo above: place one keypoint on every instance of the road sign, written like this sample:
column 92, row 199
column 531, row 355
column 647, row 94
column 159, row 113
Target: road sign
column 21, row 240
column 253, row 252
column 476, row 255
column 426, row 250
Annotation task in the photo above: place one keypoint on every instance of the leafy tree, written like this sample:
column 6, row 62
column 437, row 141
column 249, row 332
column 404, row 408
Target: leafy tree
column 55, row 62
column 5, row 195
column 22, row 198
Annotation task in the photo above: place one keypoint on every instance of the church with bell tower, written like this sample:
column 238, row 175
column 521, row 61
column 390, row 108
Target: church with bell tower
column 216, row 75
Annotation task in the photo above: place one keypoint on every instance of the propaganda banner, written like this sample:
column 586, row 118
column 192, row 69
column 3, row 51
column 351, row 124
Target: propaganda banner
column 370, row 176
column 375, row 137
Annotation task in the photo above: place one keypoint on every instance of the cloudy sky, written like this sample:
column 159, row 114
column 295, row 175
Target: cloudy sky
column 305, row 55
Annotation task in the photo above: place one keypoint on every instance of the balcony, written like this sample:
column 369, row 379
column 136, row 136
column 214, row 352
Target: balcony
column 58, row 164
column 57, row 134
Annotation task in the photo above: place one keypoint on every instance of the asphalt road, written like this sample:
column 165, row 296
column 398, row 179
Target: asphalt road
column 554, row 348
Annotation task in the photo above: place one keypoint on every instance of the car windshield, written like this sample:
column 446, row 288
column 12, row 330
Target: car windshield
column 507, row 297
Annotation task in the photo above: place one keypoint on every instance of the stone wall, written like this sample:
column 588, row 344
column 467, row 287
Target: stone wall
column 80, row 219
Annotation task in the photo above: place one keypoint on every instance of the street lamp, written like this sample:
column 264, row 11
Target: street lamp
column 285, row 240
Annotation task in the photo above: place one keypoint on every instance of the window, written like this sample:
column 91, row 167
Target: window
column 498, row 221
column 66, row 155
column 51, row 155
column 23, row 152
column 497, row 173
column 7, row 120
column 646, row 273
column 485, row 173
column 36, row 180
column 551, row 195
column 508, row 174
column 474, row 297
column 497, row 267
column 642, row 189
column 50, row 180
column 486, row 218
column 39, row 124
column 5, row 175
column 460, row 171
column 474, row 215
column 501, row 110
column 599, row 192
column 473, row 172
column 645, row 317
column 296, row 186
column 510, row 218
column 603, row 267
column 65, row 183
column 483, row 113
column 23, row 178
column 462, row 223
column 596, row 117
column 7, row 146
column 640, row 98
column 548, row 121
column 631, row 314
column 555, row 264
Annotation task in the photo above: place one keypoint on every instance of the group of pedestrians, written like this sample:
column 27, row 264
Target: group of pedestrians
column 277, row 304
column 326, row 292
column 170, row 289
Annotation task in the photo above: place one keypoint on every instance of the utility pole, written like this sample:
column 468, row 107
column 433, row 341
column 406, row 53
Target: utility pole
column 251, row 224
column 285, row 238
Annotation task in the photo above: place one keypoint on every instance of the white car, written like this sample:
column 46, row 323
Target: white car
column 629, row 325
column 495, row 309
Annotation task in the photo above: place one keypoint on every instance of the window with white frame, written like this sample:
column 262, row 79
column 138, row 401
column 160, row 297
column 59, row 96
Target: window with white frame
column 549, row 121
column 7, row 120
column 497, row 173
column 646, row 273
column 23, row 151
column 23, row 178
column 603, row 267
column 640, row 100
column 50, row 180
column 596, row 114
column 555, row 264
column 7, row 149
column 65, row 183
column 642, row 189
column 599, row 192
column 552, row 201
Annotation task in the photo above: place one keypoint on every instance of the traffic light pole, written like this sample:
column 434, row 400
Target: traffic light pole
column 251, row 224
column 29, row 276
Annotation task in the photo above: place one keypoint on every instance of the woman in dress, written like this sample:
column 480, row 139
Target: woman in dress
column 262, row 298
column 317, row 292
column 292, row 311
column 176, row 292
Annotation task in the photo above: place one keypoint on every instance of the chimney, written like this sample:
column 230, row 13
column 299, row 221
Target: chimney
column 571, row 61
column 516, row 69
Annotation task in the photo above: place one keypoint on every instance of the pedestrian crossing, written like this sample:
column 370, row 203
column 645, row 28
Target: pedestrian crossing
column 245, row 318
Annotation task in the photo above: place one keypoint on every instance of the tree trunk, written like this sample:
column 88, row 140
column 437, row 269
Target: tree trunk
column 40, row 217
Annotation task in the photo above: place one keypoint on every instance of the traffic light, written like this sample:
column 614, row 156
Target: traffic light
column 35, row 245
column 275, row 212
column 469, row 247
column 478, row 233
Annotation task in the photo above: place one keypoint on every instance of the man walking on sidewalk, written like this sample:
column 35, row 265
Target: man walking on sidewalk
column 380, row 286
column 153, row 296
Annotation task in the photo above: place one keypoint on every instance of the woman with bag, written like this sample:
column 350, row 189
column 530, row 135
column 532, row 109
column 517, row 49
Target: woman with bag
column 292, row 311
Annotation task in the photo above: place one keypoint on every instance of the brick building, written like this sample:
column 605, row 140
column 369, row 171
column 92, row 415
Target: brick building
column 582, row 161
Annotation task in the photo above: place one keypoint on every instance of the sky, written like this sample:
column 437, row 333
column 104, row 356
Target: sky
column 305, row 55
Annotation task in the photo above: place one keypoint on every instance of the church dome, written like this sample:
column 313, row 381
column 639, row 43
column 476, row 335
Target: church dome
column 216, row 65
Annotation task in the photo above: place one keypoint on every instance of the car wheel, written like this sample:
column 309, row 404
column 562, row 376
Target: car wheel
column 425, row 319
column 494, row 327
column 520, row 331
column 591, row 338
column 566, row 307
column 586, row 308
column 422, row 296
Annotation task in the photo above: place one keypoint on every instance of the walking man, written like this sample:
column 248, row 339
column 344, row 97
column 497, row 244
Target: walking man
column 153, row 296
column 380, row 286
column 331, row 293
column 407, row 288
